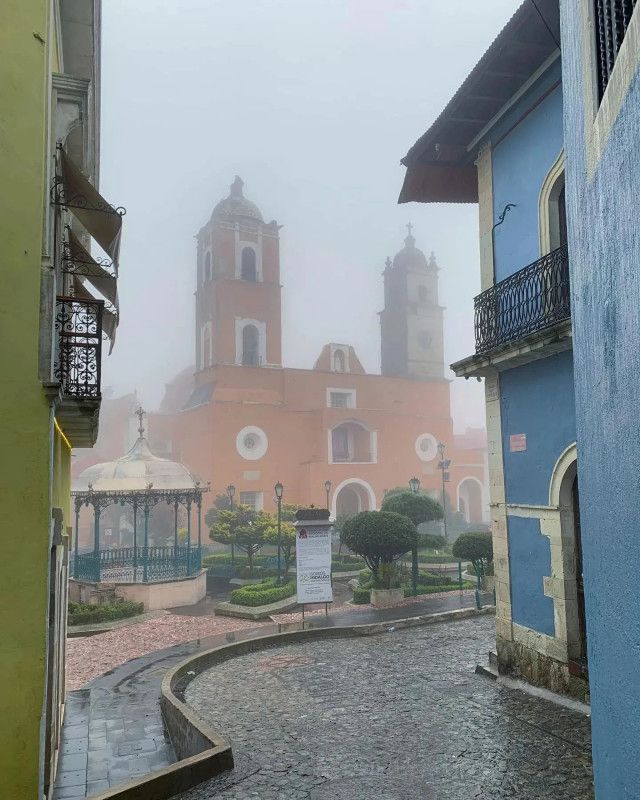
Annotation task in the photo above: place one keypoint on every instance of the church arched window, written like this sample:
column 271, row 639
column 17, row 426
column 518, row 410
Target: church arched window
column 248, row 271
column 250, row 346
column 423, row 293
column 338, row 361
column 207, row 268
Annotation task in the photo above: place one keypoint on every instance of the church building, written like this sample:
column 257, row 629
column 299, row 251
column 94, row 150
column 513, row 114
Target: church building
column 243, row 419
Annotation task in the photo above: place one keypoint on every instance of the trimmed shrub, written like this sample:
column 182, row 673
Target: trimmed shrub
column 340, row 565
column 261, row 594
column 417, row 507
column 361, row 595
column 312, row 513
column 86, row 613
column 380, row 537
column 477, row 547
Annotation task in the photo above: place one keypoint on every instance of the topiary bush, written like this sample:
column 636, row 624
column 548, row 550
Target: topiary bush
column 417, row 507
column 262, row 594
column 312, row 513
column 361, row 595
column 474, row 546
column 380, row 537
column 86, row 613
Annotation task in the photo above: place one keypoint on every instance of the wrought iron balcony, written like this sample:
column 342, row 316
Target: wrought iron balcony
column 530, row 300
column 78, row 326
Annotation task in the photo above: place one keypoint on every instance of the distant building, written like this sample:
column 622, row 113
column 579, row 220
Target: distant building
column 557, row 342
column 52, row 327
column 246, row 420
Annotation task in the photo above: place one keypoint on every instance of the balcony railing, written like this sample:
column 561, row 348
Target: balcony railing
column 530, row 300
column 78, row 326
column 137, row 564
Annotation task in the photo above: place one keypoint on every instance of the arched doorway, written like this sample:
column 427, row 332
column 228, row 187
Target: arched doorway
column 470, row 499
column 353, row 496
column 581, row 652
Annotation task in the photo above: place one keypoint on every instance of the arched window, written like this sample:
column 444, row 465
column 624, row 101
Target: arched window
column 250, row 346
column 552, row 213
column 207, row 268
column 248, row 270
column 338, row 361
column 423, row 293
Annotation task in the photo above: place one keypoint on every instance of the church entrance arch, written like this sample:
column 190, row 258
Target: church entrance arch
column 353, row 496
column 470, row 499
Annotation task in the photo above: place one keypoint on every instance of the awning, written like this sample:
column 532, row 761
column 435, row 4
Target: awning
column 84, row 264
column 102, row 220
column 109, row 315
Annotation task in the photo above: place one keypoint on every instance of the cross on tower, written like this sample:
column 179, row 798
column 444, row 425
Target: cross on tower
column 409, row 227
column 140, row 414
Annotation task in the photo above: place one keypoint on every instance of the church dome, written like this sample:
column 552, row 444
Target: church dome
column 237, row 205
column 411, row 256
column 134, row 472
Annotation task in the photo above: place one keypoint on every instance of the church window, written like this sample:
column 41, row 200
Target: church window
column 341, row 400
column 207, row 267
column 251, row 499
column 248, row 271
column 338, row 361
column 424, row 340
column 612, row 20
column 250, row 346
column 340, row 444
column 423, row 293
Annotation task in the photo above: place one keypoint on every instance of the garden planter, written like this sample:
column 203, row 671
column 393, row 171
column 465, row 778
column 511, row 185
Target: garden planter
column 385, row 598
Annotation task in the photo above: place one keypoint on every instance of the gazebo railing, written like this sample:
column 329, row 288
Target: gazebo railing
column 137, row 564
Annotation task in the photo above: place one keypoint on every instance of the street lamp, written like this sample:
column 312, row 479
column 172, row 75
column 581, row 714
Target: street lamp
column 443, row 465
column 414, row 485
column 278, row 489
column 231, row 490
column 327, row 488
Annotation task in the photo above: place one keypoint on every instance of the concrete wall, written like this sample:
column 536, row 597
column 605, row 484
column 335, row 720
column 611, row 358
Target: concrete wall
column 529, row 563
column 522, row 156
column 603, row 187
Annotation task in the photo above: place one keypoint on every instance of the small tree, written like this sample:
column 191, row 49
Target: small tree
column 287, row 539
column 380, row 537
column 432, row 541
column 221, row 503
column 241, row 528
column 418, row 507
column 476, row 547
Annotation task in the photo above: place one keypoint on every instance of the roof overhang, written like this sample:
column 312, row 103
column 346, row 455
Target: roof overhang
column 440, row 165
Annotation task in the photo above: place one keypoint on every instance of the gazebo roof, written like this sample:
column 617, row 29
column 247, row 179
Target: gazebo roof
column 137, row 471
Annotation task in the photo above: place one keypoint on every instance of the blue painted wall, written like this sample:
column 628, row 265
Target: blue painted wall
column 521, row 162
column 604, row 256
column 536, row 399
column 529, row 562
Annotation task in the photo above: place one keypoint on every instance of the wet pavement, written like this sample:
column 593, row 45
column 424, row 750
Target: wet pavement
column 398, row 716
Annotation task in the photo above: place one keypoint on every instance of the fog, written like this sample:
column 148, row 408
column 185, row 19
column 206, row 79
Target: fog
column 312, row 103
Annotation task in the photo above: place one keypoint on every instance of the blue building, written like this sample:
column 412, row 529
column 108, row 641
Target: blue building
column 499, row 143
column 559, row 367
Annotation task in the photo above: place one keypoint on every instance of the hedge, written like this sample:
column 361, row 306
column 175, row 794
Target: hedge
column 340, row 565
column 261, row 594
column 362, row 594
column 84, row 613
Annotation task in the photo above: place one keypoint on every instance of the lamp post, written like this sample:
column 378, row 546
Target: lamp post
column 278, row 489
column 414, row 485
column 443, row 465
column 231, row 491
column 327, row 488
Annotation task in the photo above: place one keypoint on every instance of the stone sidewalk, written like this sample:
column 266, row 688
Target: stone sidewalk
column 113, row 729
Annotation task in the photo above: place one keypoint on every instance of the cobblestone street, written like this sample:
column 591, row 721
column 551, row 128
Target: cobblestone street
column 400, row 716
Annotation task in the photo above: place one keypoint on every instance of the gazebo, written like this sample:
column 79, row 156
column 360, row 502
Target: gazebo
column 159, row 576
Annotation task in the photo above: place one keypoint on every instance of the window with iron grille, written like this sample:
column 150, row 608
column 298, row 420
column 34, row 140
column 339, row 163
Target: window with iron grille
column 339, row 400
column 612, row 19
column 251, row 499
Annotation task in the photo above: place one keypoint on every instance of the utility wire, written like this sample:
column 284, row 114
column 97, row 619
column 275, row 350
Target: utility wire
column 546, row 25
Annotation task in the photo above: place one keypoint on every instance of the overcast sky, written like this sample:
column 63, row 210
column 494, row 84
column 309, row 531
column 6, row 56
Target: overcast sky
column 312, row 103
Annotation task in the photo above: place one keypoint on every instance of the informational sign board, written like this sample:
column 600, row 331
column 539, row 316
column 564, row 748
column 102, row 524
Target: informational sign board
column 313, row 564
column 518, row 442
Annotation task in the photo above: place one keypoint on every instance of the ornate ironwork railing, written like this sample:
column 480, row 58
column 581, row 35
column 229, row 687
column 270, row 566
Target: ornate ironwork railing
column 78, row 325
column 138, row 564
column 530, row 300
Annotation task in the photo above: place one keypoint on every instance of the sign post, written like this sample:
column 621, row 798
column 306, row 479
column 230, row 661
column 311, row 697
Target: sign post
column 313, row 561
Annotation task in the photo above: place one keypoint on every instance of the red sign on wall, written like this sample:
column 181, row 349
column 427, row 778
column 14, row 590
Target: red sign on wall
column 518, row 442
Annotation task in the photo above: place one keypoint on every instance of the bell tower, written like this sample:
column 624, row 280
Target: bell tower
column 238, row 310
column 412, row 336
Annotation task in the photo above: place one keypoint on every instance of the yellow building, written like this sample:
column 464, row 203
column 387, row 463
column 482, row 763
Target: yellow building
column 51, row 331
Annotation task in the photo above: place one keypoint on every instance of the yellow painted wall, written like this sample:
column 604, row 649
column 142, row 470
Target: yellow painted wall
column 25, row 423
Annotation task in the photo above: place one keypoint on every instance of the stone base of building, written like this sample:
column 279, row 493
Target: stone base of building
column 521, row 662
column 154, row 596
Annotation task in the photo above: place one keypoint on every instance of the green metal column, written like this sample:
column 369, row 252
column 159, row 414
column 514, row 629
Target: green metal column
column 75, row 541
column 135, row 540
column 96, row 542
column 414, row 570
column 199, row 558
column 188, row 537
column 145, row 550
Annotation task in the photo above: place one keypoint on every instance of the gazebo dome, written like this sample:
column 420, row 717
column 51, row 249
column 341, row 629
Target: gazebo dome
column 134, row 472
column 237, row 205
